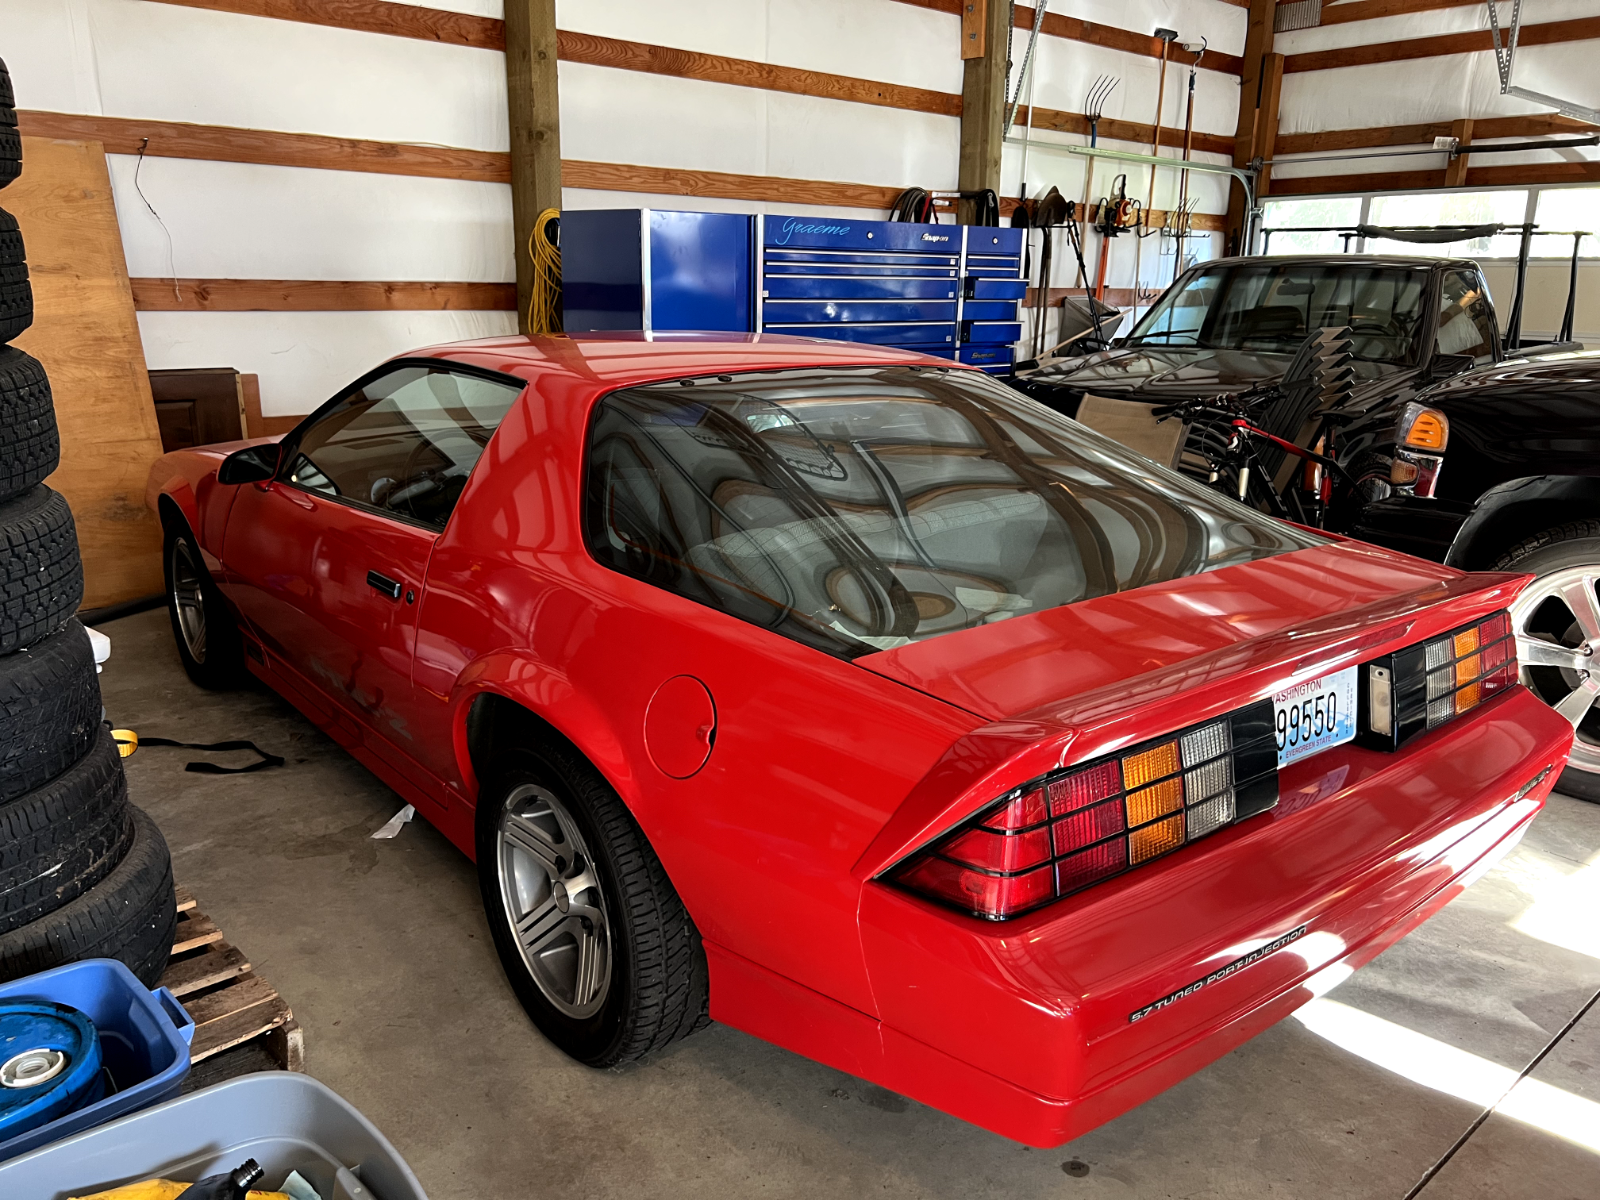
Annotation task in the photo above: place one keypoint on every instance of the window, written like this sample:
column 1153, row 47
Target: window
column 1568, row 210
column 405, row 442
column 1273, row 309
column 1451, row 208
column 1466, row 321
column 859, row 510
column 1286, row 214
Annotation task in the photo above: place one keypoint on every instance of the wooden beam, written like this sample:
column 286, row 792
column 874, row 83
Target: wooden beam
column 715, row 68
column 673, row 181
column 1455, row 173
column 1121, row 131
column 1522, row 174
column 370, row 16
column 1267, row 118
column 534, row 111
column 1112, row 38
column 318, row 295
column 974, row 19
column 1367, row 10
column 1258, row 40
column 983, row 102
column 1536, row 125
column 227, row 143
column 426, row 24
column 1439, row 44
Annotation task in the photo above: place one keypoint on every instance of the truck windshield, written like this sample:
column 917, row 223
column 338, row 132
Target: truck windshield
column 859, row 509
column 1274, row 307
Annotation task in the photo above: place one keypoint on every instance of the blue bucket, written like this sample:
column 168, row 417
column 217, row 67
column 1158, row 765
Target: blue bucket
column 49, row 1064
column 143, row 1039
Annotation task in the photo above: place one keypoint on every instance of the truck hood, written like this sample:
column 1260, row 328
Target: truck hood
column 1164, row 374
column 1057, row 665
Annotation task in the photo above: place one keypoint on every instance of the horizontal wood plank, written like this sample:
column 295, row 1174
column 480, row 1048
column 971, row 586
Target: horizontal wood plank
column 194, row 929
column 677, row 181
column 217, row 964
column 1368, row 10
column 1121, row 131
column 427, row 24
column 1113, row 38
column 318, row 295
column 371, row 16
column 184, row 897
column 1535, row 125
column 227, row 143
column 1439, row 44
column 245, row 992
column 225, row 1032
column 1523, row 174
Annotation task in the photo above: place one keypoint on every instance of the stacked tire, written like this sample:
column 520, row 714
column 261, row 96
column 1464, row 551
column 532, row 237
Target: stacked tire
column 83, row 873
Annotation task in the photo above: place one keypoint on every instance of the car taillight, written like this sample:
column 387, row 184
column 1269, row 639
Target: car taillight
column 1081, row 825
column 1421, row 687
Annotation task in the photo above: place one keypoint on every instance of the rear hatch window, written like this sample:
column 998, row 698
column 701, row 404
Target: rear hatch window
column 862, row 509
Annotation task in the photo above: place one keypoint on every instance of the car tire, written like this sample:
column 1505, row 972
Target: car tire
column 41, row 575
column 650, row 986
column 30, row 447
column 129, row 915
column 16, row 295
column 1562, row 559
column 203, row 625
column 60, row 840
column 50, row 703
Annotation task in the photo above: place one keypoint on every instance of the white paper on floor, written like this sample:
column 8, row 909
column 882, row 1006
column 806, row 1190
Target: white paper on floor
column 392, row 825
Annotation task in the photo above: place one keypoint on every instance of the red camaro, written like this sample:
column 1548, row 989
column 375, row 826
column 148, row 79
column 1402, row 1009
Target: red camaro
column 850, row 698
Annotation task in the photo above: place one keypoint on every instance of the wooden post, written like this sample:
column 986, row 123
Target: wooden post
column 983, row 102
column 1456, row 173
column 1257, row 45
column 535, row 113
column 1267, row 118
column 973, row 15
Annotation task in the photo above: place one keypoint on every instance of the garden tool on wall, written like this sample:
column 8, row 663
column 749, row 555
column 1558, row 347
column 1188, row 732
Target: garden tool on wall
column 1052, row 209
column 1094, row 107
column 1184, row 208
column 1117, row 214
column 1167, row 36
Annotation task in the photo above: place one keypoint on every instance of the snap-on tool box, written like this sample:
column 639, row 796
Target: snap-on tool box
column 947, row 290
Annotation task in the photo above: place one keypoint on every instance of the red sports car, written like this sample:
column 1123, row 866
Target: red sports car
column 851, row 698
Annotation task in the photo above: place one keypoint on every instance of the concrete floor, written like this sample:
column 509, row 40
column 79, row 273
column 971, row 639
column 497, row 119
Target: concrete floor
column 382, row 951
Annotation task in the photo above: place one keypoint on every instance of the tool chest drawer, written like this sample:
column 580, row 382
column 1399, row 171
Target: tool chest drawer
column 908, row 334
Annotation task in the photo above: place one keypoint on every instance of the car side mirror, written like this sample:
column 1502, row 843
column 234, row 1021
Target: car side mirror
column 253, row 464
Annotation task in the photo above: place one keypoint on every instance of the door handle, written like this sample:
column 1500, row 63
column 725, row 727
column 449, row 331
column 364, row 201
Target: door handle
column 389, row 587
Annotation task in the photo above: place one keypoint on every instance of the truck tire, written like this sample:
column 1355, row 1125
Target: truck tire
column 50, row 703
column 41, row 575
column 30, row 447
column 16, row 296
column 129, row 915
column 58, row 841
column 1550, row 619
column 10, row 141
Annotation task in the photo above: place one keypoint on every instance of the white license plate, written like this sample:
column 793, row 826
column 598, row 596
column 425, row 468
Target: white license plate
column 1313, row 716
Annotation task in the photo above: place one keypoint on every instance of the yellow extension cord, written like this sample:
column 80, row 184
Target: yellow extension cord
column 544, row 306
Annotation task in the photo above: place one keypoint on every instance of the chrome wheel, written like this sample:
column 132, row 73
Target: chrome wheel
column 188, row 598
column 553, row 901
column 1557, row 626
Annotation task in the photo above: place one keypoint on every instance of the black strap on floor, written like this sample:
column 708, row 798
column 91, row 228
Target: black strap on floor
column 205, row 768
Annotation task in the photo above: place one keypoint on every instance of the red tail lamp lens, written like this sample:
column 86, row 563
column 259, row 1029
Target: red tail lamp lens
column 986, row 895
column 1007, row 852
column 1083, row 788
column 1088, row 866
column 1025, row 810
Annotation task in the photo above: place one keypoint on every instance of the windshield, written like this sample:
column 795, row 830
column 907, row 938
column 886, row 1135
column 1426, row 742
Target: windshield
column 1274, row 307
column 861, row 509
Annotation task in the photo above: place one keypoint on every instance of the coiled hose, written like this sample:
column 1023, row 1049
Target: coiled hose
column 544, row 306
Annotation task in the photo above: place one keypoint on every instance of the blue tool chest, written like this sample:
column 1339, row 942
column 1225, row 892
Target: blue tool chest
column 948, row 290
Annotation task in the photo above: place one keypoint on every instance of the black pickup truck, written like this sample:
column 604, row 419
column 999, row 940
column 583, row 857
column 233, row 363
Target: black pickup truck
column 1450, row 449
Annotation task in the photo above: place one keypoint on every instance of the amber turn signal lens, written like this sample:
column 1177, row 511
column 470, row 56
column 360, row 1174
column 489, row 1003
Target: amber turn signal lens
column 1155, row 840
column 1153, row 802
column 1424, row 428
column 1153, row 764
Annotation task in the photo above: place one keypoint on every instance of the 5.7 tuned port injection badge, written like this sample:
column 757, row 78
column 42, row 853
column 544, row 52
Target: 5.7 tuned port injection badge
column 1219, row 974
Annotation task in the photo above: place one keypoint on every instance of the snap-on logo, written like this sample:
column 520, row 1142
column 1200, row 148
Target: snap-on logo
column 792, row 226
column 928, row 237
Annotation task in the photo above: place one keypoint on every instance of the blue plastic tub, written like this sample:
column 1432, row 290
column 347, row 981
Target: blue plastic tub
column 144, row 1042
column 285, row 1121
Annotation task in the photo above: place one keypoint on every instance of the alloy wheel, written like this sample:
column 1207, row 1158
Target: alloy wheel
column 1557, row 626
column 188, row 598
column 553, row 901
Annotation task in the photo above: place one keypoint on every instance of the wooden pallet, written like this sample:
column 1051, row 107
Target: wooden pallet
column 231, row 1004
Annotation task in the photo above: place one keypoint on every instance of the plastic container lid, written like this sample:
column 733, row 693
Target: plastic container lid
column 50, row 1064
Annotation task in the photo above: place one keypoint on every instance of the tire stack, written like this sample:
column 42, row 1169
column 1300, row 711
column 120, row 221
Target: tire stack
column 83, row 874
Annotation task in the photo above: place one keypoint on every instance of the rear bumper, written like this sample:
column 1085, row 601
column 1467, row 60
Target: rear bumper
column 1042, row 1028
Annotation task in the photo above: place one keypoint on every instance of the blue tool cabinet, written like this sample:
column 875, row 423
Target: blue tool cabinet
column 947, row 290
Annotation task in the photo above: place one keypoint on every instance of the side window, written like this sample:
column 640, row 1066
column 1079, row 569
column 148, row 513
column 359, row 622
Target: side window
column 405, row 443
column 1466, row 320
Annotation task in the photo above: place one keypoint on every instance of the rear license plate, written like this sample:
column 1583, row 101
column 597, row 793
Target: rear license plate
column 1314, row 716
